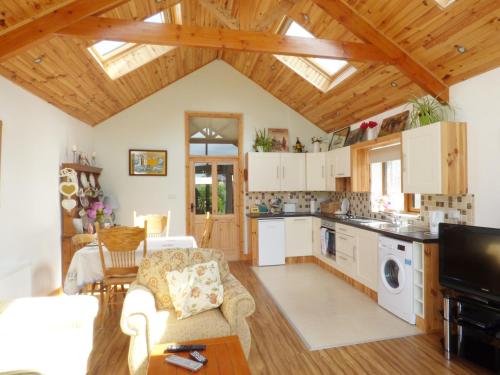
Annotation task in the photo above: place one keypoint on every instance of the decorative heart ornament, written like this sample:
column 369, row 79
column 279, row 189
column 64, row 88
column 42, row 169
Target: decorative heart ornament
column 68, row 188
column 68, row 204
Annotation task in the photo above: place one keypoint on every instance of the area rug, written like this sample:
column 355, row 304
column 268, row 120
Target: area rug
column 327, row 312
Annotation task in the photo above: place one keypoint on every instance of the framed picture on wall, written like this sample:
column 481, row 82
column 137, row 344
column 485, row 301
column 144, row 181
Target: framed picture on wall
column 338, row 138
column 280, row 139
column 394, row 124
column 147, row 162
column 355, row 136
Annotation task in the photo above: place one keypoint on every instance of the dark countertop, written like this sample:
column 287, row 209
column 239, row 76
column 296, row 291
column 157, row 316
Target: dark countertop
column 423, row 235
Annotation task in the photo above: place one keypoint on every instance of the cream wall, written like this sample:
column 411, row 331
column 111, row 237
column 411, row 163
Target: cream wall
column 476, row 101
column 35, row 141
column 157, row 122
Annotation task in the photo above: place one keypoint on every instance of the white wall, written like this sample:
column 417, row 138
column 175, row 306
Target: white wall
column 476, row 101
column 35, row 141
column 158, row 123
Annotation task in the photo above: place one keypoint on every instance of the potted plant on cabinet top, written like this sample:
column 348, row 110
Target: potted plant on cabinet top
column 262, row 143
column 316, row 142
column 428, row 110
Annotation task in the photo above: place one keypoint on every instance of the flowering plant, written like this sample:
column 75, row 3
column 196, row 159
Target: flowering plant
column 98, row 211
column 317, row 139
column 368, row 124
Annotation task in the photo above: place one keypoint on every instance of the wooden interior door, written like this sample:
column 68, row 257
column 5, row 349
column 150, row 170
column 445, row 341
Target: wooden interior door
column 214, row 188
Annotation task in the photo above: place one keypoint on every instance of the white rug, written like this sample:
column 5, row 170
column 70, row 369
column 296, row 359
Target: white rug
column 327, row 312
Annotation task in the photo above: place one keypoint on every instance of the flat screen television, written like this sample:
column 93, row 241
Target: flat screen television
column 469, row 260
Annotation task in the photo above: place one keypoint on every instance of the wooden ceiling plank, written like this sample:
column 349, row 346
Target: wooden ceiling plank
column 25, row 36
column 222, row 14
column 98, row 28
column 274, row 14
column 245, row 14
column 359, row 26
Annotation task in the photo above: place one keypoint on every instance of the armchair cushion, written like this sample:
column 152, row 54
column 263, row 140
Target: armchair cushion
column 153, row 269
column 195, row 289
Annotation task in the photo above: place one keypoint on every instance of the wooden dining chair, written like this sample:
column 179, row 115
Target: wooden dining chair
column 121, row 243
column 207, row 231
column 158, row 225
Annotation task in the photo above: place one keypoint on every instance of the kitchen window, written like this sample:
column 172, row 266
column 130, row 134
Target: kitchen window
column 385, row 182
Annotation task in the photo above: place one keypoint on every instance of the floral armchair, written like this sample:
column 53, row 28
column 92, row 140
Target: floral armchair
column 148, row 316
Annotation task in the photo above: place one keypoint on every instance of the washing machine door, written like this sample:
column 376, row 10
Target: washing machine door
column 392, row 274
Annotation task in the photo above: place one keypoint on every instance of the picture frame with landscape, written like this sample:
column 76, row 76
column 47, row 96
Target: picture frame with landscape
column 394, row 124
column 279, row 138
column 339, row 138
column 147, row 162
column 355, row 136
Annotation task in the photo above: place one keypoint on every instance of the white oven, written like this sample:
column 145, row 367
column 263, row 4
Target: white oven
column 328, row 246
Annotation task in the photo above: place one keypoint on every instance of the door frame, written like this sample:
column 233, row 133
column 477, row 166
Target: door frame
column 240, row 191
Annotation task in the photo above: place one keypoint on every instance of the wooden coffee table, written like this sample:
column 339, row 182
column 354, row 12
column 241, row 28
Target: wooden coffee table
column 224, row 354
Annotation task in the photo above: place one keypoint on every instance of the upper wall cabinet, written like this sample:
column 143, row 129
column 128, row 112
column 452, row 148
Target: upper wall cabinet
column 273, row 171
column 338, row 165
column 316, row 171
column 435, row 159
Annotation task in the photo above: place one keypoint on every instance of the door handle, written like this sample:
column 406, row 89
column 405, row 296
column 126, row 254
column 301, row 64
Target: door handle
column 192, row 207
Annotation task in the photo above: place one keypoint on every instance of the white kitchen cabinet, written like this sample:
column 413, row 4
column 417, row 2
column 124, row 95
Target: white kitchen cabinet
column 346, row 250
column 316, row 171
column 330, row 171
column 435, row 159
column 293, row 172
column 264, row 171
column 276, row 171
column 298, row 232
column 316, row 236
column 342, row 162
column 367, row 258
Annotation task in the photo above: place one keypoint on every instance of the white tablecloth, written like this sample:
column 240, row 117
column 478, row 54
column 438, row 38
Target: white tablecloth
column 86, row 268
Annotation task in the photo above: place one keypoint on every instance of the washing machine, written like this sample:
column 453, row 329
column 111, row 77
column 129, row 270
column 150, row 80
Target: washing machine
column 395, row 286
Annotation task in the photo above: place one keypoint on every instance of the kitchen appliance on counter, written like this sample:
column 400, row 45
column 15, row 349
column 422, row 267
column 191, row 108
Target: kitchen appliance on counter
column 271, row 242
column 344, row 207
column 327, row 236
column 435, row 217
column 313, row 204
column 395, row 286
column 276, row 205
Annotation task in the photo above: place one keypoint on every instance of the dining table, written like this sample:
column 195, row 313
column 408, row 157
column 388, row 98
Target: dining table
column 86, row 268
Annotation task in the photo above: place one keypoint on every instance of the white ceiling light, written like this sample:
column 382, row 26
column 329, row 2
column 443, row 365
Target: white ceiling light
column 444, row 3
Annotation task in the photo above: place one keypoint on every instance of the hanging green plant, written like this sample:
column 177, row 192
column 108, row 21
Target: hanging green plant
column 428, row 110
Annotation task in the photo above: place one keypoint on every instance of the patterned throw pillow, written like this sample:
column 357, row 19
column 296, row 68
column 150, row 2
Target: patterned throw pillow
column 195, row 289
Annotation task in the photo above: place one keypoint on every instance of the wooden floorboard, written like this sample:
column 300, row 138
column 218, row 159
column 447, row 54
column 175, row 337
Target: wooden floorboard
column 277, row 349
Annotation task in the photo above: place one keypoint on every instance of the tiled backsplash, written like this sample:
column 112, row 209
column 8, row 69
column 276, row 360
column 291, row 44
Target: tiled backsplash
column 361, row 206
column 301, row 199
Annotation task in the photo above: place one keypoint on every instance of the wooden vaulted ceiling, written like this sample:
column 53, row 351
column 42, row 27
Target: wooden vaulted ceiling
column 70, row 78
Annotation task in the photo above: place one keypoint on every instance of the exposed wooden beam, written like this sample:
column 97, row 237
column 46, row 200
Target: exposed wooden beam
column 364, row 30
column 97, row 28
column 274, row 14
column 25, row 36
column 223, row 15
column 245, row 14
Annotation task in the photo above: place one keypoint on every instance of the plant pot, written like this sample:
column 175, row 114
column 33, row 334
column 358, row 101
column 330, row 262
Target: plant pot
column 260, row 148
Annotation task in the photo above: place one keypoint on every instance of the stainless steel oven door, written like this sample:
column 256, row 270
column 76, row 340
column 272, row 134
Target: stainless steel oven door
column 328, row 246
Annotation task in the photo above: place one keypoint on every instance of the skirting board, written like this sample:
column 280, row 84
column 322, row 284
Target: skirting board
column 312, row 259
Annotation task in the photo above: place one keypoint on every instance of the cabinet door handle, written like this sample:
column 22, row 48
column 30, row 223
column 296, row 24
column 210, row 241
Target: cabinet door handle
column 283, row 172
column 340, row 174
column 322, row 171
column 278, row 172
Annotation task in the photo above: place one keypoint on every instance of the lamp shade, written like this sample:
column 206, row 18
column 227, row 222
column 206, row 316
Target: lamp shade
column 111, row 202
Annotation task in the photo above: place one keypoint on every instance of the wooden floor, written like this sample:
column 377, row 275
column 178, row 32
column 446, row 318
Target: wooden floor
column 277, row 349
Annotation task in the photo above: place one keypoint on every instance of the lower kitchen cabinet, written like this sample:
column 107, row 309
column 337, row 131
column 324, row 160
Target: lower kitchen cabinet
column 298, row 232
column 367, row 258
column 316, row 236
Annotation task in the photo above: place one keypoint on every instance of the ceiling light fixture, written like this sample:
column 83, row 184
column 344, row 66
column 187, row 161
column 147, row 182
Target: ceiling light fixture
column 461, row 49
column 38, row 60
column 305, row 17
column 394, row 84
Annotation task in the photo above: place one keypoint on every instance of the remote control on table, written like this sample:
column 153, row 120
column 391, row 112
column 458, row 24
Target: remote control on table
column 198, row 357
column 183, row 362
column 175, row 348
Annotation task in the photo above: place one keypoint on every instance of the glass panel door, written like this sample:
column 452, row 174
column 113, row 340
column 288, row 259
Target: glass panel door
column 203, row 188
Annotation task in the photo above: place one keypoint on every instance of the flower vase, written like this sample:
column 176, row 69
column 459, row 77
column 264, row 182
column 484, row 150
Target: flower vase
column 371, row 133
column 316, row 147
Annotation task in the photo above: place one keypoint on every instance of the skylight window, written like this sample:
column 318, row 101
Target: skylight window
column 329, row 66
column 320, row 72
column 119, row 58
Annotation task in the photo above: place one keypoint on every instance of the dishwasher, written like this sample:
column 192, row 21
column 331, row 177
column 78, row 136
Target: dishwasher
column 271, row 242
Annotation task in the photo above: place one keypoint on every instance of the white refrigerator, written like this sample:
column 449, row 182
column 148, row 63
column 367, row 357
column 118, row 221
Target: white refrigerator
column 271, row 242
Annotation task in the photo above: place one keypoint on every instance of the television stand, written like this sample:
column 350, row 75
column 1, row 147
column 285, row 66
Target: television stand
column 471, row 330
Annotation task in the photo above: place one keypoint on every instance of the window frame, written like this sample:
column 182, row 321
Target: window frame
column 409, row 206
